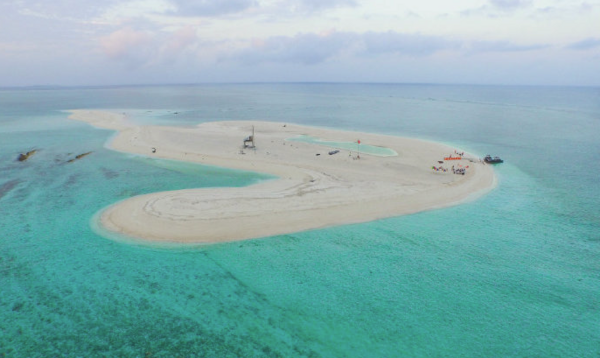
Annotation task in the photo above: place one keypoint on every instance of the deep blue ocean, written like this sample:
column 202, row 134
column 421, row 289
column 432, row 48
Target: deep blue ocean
column 513, row 274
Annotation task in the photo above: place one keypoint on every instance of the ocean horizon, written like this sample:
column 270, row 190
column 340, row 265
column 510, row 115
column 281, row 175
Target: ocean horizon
column 513, row 273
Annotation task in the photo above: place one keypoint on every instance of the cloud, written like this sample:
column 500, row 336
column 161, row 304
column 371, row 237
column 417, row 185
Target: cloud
column 405, row 44
column 509, row 5
column 311, row 49
column 128, row 45
column 176, row 45
column 497, row 8
column 565, row 10
column 277, row 10
column 137, row 48
column 181, row 39
column 501, row 46
column 211, row 7
column 61, row 9
column 316, row 5
column 305, row 49
column 128, row 10
column 586, row 44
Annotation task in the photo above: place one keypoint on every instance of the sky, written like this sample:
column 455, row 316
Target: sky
column 120, row 42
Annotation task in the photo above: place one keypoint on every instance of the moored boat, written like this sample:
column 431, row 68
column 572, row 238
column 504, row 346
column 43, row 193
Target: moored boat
column 495, row 160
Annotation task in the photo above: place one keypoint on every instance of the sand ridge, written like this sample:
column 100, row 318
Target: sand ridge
column 312, row 191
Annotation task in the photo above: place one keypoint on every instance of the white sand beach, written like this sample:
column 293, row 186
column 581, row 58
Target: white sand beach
column 312, row 191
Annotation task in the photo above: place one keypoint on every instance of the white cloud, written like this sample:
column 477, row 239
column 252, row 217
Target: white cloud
column 508, row 5
column 61, row 9
column 211, row 7
column 312, row 49
column 302, row 38
column 501, row 46
column 129, row 46
column 316, row 5
column 405, row 44
column 116, row 14
column 307, row 49
column 498, row 8
column 586, row 44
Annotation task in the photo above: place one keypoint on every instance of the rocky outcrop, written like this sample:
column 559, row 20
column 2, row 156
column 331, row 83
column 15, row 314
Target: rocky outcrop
column 77, row 157
column 24, row 156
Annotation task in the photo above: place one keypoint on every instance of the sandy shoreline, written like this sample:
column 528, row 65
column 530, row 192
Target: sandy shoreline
column 311, row 191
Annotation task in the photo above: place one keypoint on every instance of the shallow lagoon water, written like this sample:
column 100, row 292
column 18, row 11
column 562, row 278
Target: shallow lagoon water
column 515, row 273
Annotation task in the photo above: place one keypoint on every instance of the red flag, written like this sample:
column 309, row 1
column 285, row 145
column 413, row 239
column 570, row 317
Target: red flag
column 359, row 141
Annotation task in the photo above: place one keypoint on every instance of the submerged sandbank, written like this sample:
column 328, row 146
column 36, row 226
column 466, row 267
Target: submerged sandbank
column 313, row 189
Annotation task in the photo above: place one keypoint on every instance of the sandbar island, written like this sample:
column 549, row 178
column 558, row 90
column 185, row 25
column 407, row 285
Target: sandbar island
column 313, row 189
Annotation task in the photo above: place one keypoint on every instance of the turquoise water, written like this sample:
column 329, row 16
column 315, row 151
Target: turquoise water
column 351, row 146
column 515, row 273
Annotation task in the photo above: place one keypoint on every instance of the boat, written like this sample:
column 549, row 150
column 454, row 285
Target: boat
column 495, row 160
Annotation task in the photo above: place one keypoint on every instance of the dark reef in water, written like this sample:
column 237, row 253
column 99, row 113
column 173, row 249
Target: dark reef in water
column 77, row 157
column 8, row 186
column 24, row 156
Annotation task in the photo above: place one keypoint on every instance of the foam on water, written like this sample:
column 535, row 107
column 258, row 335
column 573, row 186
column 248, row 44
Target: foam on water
column 514, row 273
